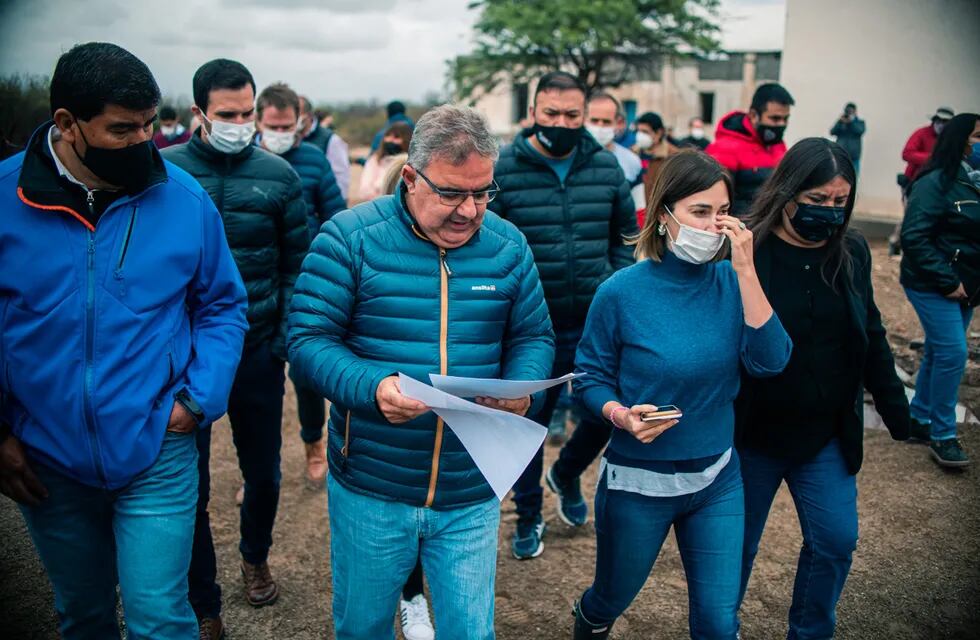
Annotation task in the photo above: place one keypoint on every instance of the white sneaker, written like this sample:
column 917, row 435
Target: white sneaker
column 416, row 624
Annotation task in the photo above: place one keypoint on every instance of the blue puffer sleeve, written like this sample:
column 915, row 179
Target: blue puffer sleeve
column 529, row 342
column 216, row 302
column 322, row 306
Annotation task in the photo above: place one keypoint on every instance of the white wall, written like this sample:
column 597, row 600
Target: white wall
column 898, row 60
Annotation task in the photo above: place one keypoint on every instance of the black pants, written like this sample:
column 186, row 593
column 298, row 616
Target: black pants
column 255, row 413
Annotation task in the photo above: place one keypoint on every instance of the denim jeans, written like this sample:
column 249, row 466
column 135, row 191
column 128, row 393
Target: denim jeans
column 708, row 525
column 312, row 414
column 255, row 413
column 582, row 448
column 944, row 356
column 826, row 503
column 374, row 545
column 90, row 539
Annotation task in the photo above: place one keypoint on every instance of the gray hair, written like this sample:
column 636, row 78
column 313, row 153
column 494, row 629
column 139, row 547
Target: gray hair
column 452, row 133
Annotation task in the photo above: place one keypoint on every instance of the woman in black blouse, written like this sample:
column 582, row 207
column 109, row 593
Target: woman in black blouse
column 805, row 425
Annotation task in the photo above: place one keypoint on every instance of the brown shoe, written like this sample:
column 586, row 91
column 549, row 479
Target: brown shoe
column 210, row 629
column 260, row 588
column 316, row 463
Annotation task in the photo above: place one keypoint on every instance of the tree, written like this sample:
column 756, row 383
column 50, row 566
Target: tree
column 604, row 42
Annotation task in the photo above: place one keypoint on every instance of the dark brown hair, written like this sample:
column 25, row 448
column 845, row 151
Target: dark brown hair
column 400, row 129
column 277, row 95
column 681, row 175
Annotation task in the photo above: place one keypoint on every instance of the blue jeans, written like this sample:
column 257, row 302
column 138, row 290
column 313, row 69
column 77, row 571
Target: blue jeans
column 255, row 413
column 90, row 539
column 708, row 524
column 825, row 494
column 375, row 544
column 944, row 356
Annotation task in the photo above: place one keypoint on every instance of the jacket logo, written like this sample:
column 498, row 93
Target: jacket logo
column 483, row 287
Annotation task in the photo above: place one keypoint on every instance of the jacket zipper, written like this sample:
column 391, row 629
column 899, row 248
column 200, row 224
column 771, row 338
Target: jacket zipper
column 118, row 273
column 444, row 274
column 90, row 350
column 569, row 231
column 960, row 202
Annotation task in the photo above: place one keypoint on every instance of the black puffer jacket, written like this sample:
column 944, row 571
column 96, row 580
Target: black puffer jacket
column 941, row 236
column 576, row 230
column 260, row 199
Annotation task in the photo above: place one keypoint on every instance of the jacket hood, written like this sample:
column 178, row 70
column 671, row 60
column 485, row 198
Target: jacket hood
column 736, row 125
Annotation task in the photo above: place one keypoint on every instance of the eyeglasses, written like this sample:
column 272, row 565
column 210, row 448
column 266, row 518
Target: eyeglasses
column 453, row 198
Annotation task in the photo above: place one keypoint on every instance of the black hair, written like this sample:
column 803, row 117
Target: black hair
column 809, row 163
column 770, row 92
column 559, row 81
column 653, row 120
column 168, row 113
column 851, row 105
column 90, row 76
column 395, row 107
column 602, row 95
column 277, row 95
column 219, row 74
column 947, row 155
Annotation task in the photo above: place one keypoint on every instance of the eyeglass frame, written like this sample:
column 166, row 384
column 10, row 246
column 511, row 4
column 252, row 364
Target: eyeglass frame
column 446, row 193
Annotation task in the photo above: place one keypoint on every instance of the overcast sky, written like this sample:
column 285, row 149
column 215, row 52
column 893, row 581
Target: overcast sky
column 332, row 50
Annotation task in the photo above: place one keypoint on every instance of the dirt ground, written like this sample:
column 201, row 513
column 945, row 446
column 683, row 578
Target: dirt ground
column 916, row 572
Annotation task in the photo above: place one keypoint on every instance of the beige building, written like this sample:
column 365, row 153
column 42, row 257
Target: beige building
column 898, row 60
column 679, row 91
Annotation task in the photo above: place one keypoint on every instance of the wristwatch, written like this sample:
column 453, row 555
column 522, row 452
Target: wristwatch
column 184, row 398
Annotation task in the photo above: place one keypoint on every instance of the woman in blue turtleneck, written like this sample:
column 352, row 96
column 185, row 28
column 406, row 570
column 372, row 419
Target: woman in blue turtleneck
column 675, row 329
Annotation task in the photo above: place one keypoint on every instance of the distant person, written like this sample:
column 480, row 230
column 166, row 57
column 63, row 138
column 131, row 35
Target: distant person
column 916, row 153
column 395, row 141
column 278, row 123
column 941, row 277
column 329, row 142
column 848, row 130
column 396, row 113
column 805, row 426
column 171, row 131
column 604, row 118
column 324, row 117
column 695, row 137
column 750, row 145
column 568, row 195
column 653, row 147
column 119, row 346
column 260, row 198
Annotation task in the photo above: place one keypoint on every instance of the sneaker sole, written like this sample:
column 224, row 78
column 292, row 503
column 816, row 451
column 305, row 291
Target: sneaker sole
column 949, row 464
column 537, row 552
column 561, row 513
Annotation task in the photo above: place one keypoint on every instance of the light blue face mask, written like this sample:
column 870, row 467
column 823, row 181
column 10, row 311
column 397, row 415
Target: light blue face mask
column 974, row 158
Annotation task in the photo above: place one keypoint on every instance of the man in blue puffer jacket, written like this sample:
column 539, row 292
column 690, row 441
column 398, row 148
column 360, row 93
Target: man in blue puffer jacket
column 424, row 281
column 278, row 109
column 122, row 318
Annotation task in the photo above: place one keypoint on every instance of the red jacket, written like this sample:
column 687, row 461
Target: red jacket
column 738, row 148
column 162, row 141
column 918, row 149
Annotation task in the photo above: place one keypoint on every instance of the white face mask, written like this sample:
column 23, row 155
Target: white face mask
column 278, row 142
column 228, row 137
column 168, row 130
column 643, row 140
column 602, row 135
column 697, row 133
column 694, row 245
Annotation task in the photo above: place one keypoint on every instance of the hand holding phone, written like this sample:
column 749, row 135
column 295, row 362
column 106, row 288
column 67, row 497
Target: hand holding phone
column 665, row 412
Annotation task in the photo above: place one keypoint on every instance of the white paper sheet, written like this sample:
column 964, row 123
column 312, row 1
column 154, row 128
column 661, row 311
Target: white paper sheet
column 494, row 388
column 500, row 443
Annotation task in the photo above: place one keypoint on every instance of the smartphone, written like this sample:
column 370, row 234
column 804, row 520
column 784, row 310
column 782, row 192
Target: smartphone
column 666, row 412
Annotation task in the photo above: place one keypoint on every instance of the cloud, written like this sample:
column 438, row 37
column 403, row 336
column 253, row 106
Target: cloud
column 333, row 6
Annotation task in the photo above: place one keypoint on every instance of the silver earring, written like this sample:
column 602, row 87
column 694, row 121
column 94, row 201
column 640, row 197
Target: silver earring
column 661, row 229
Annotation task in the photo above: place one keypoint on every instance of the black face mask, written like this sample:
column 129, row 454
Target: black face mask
column 559, row 141
column 391, row 148
column 814, row 223
column 769, row 134
column 127, row 167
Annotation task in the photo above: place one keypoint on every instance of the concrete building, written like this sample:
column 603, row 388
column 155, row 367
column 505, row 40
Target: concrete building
column 898, row 60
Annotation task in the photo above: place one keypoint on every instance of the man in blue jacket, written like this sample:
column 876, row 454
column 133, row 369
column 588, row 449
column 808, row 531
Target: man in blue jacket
column 123, row 316
column 278, row 109
column 423, row 281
